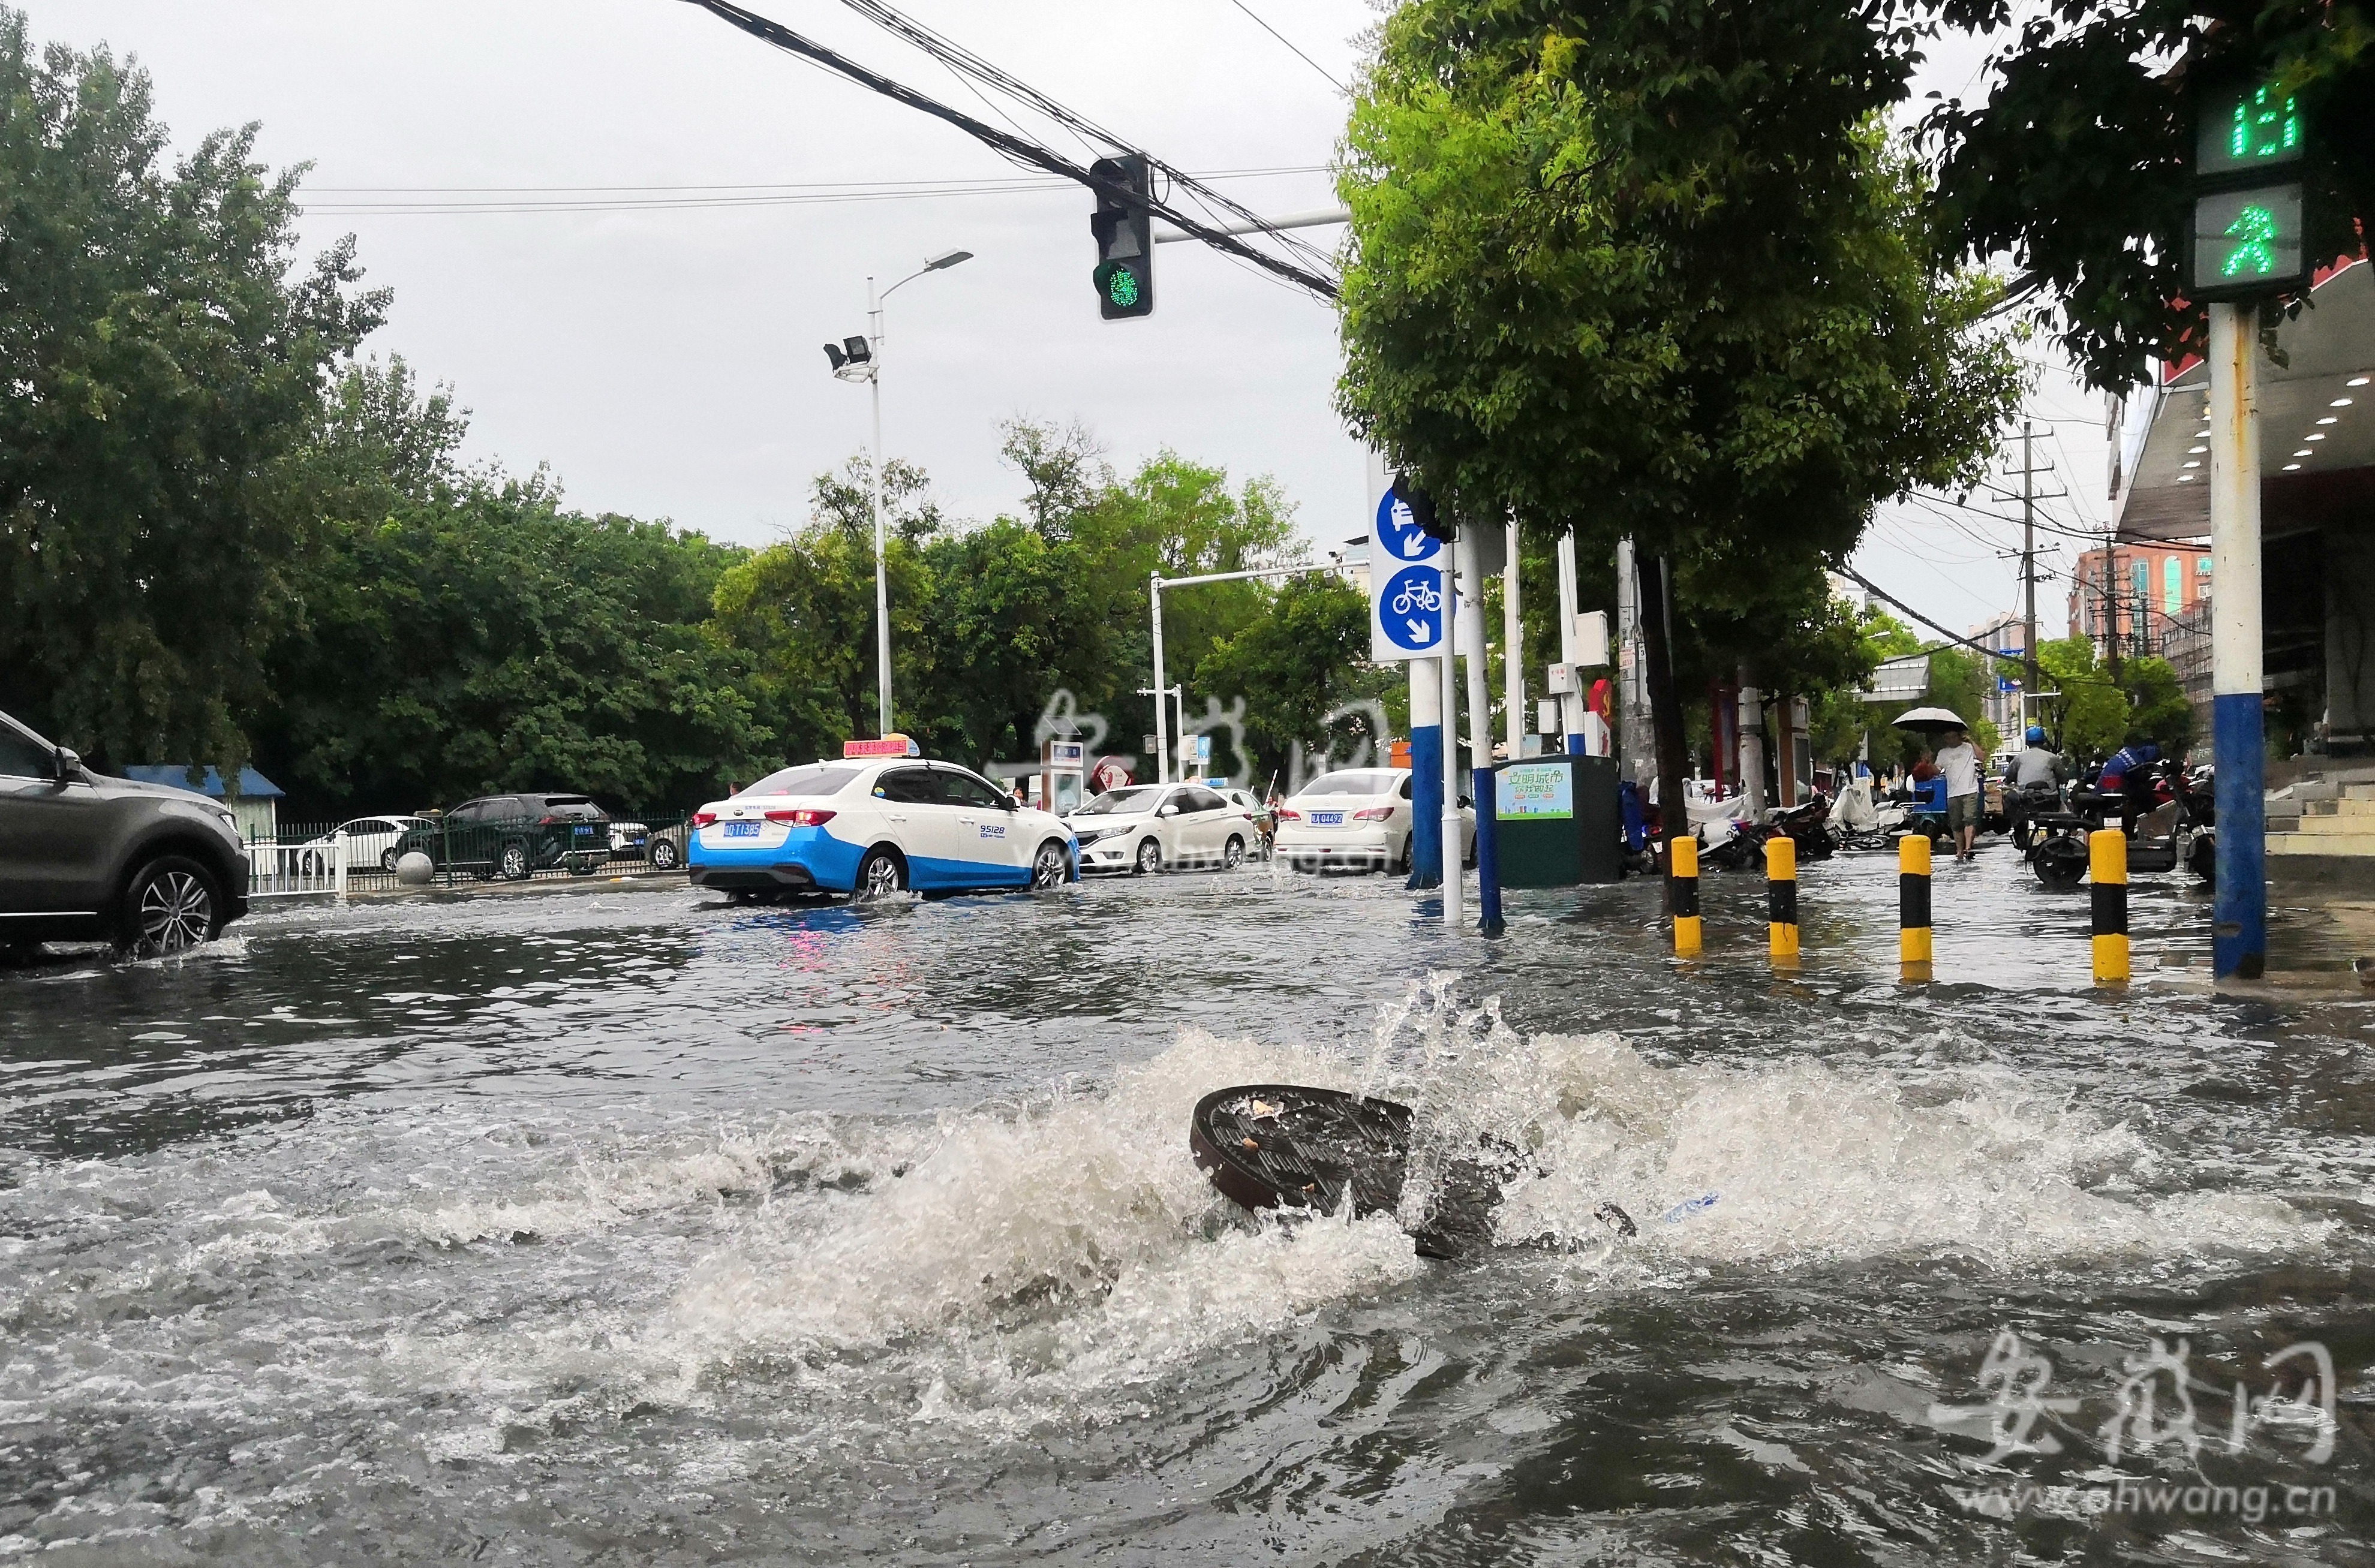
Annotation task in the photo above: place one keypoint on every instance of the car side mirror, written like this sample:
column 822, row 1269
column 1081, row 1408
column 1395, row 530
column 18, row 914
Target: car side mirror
column 1007, row 803
column 69, row 765
column 1170, row 809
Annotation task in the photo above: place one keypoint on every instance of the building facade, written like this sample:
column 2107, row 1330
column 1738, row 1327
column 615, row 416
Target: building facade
column 2136, row 593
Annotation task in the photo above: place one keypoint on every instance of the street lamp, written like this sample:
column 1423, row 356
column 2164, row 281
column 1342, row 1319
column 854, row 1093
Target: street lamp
column 860, row 358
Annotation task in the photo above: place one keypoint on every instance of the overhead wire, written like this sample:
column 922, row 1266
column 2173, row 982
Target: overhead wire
column 1299, row 54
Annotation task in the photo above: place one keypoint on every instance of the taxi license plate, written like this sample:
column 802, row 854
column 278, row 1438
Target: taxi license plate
column 741, row 830
column 1328, row 818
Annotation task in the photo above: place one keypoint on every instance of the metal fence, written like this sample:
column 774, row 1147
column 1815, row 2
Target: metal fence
column 334, row 859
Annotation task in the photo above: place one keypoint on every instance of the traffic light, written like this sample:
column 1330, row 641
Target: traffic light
column 2246, row 235
column 1125, row 231
column 1422, row 509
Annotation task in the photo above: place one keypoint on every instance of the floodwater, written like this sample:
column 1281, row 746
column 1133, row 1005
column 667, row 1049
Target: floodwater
column 625, row 1227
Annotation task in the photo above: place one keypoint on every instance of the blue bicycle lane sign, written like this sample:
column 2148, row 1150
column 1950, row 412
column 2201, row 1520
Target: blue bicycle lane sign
column 1410, row 609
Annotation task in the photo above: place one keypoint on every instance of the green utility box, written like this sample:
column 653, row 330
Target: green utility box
column 1558, row 821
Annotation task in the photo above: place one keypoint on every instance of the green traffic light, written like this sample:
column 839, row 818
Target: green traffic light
column 1121, row 287
column 2263, row 126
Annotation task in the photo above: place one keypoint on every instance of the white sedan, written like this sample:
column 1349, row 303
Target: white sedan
column 371, row 843
column 1144, row 828
column 1356, row 817
column 869, row 828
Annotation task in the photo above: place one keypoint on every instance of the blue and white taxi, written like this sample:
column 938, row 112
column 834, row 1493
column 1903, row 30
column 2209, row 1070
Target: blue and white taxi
column 870, row 825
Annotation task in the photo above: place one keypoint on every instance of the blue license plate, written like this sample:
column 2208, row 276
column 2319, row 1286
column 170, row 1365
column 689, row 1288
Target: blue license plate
column 583, row 830
column 1328, row 818
column 741, row 830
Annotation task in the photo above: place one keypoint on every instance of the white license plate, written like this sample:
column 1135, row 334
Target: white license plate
column 741, row 830
column 1328, row 818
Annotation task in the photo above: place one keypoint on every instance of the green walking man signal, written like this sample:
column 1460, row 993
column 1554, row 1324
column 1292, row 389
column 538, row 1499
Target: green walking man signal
column 1125, row 233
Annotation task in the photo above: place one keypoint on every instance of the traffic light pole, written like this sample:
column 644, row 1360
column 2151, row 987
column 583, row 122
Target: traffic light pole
column 1156, row 584
column 2238, row 744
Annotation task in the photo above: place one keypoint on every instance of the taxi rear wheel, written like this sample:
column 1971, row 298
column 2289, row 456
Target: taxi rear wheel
column 1149, row 858
column 881, row 874
column 1048, row 867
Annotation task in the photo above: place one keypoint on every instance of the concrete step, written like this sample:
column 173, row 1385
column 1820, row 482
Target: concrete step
column 2337, row 825
column 2358, row 791
column 2355, row 811
column 2357, row 845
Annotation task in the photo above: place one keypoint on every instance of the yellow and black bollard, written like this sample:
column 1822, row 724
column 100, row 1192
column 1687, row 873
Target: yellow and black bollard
column 2107, row 868
column 1683, row 892
column 1781, row 896
column 1913, row 904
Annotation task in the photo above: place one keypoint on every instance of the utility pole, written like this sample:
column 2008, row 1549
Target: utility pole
column 2028, row 555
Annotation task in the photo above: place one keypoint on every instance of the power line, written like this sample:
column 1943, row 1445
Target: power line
column 1299, row 54
column 423, row 201
column 1016, row 149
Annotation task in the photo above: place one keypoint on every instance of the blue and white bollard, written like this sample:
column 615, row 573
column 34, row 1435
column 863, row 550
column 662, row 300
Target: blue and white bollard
column 2238, row 937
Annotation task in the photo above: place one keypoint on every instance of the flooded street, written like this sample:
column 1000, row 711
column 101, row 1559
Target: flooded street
column 625, row 1227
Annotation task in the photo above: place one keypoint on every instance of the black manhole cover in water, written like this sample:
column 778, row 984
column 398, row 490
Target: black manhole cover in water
column 1285, row 1144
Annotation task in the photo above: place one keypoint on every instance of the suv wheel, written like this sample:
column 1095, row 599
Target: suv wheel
column 665, row 856
column 514, row 862
column 169, row 906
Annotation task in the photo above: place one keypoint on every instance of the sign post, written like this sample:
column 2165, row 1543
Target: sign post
column 2246, row 246
column 1407, row 616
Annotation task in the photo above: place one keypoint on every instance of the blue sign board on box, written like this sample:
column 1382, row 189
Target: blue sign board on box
column 1544, row 791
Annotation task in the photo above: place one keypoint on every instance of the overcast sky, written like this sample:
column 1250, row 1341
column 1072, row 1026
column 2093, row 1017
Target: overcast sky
column 664, row 360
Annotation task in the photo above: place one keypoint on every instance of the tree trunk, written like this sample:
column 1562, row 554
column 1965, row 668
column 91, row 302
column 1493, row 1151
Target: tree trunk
column 1665, row 701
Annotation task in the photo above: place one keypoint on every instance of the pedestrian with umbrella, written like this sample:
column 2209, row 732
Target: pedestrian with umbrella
column 1958, row 761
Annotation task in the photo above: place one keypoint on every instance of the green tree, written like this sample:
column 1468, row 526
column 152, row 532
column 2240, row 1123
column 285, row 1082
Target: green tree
column 2089, row 719
column 1642, row 267
column 455, row 632
column 1006, row 626
column 2078, row 165
column 1303, row 659
column 164, row 360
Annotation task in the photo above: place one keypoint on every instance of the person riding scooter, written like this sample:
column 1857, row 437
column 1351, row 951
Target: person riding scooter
column 2130, row 775
column 2032, row 786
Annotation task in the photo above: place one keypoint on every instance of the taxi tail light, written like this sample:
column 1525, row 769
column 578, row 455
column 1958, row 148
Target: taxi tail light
column 702, row 819
column 1373, row 814
column 1286, row 816
column 805, row 816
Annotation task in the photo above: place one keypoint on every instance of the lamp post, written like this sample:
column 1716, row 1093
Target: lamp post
column 860, row 358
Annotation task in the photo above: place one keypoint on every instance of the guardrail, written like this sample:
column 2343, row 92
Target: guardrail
column 278, row 871
column 311, row 857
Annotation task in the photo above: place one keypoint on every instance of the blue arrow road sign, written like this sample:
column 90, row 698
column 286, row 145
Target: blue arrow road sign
column 1397, row 536
column 1410, row 608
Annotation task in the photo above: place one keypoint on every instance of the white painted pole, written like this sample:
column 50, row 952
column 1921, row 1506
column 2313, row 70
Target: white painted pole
column 1571, row 704
column 881, row 571
column 1513, row 645
column 2239, row 943
column 1162, row 693
column 1451, row 689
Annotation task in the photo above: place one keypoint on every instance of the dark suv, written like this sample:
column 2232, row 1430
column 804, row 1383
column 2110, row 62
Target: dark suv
column 513, row 835
column 82, row 856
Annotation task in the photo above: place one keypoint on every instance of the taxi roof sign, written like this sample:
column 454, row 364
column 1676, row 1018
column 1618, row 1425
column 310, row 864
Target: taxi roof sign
column 889, row 746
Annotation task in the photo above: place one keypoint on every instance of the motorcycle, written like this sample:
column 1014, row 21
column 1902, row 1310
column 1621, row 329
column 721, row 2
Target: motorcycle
column 2060, row 856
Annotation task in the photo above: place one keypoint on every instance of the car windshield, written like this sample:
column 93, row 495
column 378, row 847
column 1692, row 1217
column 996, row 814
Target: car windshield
column 1350, row 782
column 811, row 779
column 1121, row 802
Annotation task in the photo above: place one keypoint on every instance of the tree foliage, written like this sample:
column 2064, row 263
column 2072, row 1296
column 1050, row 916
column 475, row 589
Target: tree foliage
column 2078, row 164
column 161, row 366
column 1300, row 667
column 1653, row 268
column 456, row 633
